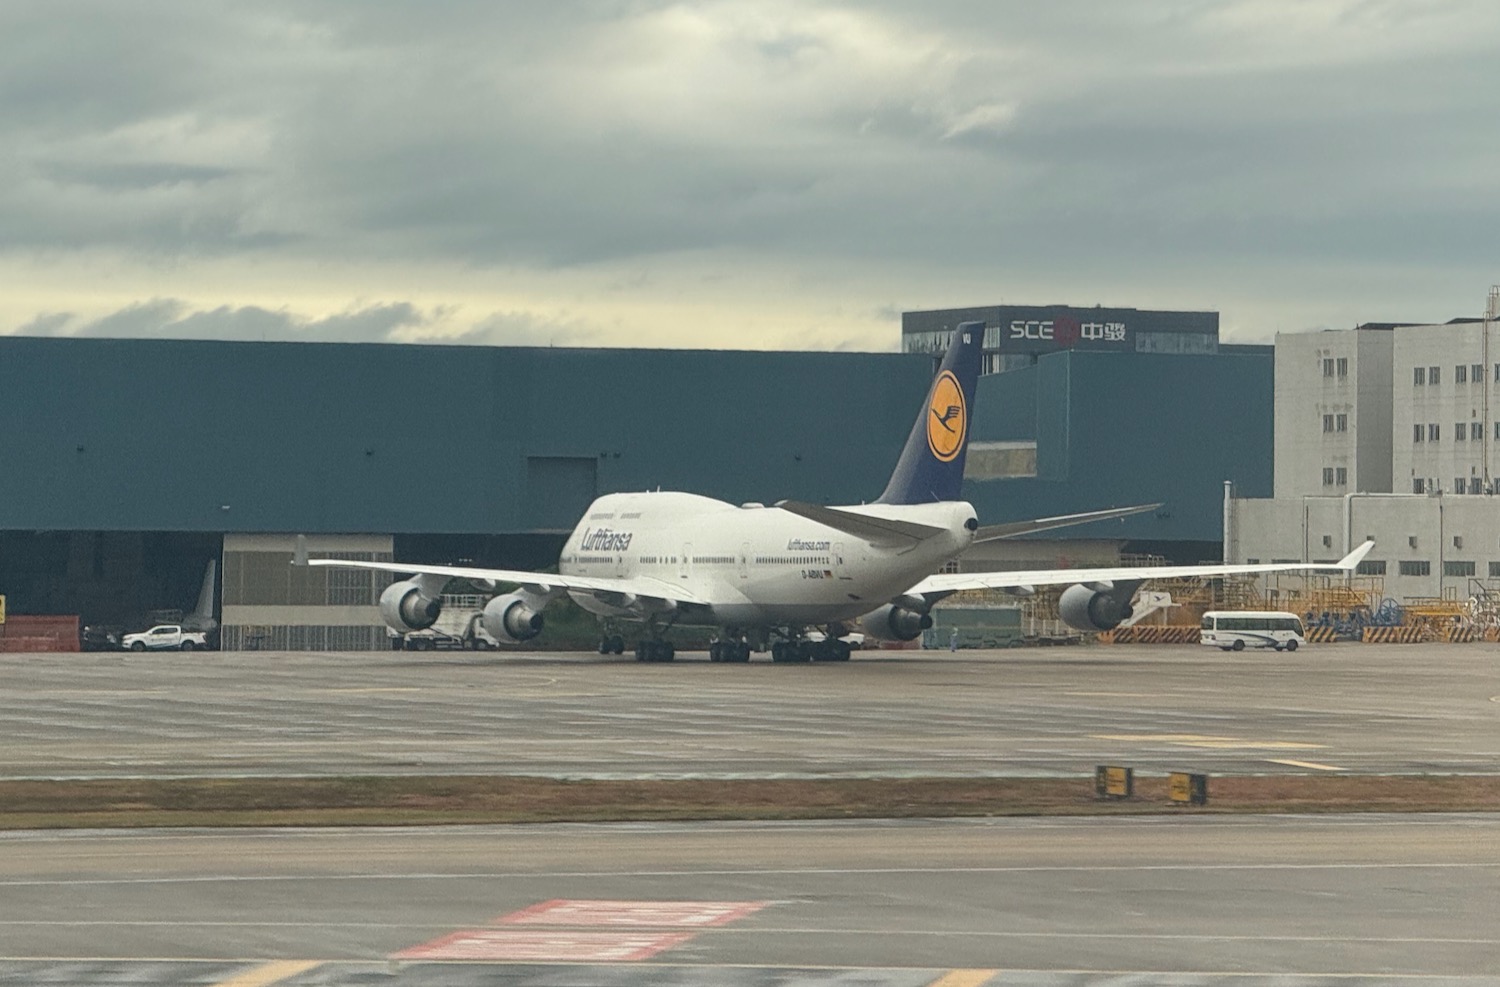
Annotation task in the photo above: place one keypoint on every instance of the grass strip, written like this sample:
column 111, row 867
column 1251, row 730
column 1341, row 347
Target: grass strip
column 410, row 801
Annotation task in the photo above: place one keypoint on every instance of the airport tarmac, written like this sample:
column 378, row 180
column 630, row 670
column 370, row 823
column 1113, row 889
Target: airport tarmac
column 1353, row 900
column 1019, row 712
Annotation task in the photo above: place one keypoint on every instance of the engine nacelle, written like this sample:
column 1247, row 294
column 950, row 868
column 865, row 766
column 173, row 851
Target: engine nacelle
column 893, row 623
column 406, row 607
column 512, row 619
column 1085, row 609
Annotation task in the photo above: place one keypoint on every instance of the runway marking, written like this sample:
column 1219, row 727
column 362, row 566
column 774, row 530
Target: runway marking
column 963, row 978
column 725, row 872
column 525, row 944
column 651, row 914
column 1306, row 764
column 270, row 973
column 1212, row 743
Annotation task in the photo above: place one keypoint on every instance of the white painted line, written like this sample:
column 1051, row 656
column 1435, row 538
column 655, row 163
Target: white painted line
column 1305, row 764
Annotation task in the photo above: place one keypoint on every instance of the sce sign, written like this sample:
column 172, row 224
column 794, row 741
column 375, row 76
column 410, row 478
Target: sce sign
column 1031, row 329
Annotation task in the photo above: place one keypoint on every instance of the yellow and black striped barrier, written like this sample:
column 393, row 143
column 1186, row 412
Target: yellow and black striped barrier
column 1392, row 635
column 1152, row 634
column 1321, row 635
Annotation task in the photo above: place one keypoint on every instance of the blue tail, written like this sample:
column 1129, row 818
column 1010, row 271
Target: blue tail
column 931, row 467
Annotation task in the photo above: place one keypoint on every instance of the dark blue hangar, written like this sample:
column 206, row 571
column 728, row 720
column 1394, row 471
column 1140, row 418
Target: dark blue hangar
column 126, row 465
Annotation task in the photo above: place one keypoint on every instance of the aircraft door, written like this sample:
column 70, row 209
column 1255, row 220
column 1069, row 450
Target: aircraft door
column 683, row 569
column 744, row 560
column 838, row 561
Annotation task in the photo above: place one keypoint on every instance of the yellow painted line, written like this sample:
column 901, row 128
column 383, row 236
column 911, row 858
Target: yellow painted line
column 1306, row 764
column 270, row 973
column 963, row 978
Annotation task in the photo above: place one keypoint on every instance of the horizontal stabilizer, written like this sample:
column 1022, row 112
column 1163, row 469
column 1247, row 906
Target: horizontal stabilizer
column 1014, row 529
column 875, row 530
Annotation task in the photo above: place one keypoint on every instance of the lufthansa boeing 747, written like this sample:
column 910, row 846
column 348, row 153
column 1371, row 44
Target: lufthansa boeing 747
column 763, row 576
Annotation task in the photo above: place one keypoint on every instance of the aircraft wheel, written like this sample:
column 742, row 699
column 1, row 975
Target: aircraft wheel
column 617, row 644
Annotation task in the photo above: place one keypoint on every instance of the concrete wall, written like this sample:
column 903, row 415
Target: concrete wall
column 1442, row 537
column 1441, row 463
column 1357, row 401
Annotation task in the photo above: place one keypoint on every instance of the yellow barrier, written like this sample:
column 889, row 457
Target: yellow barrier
column 1321, row 635
column 1151, row 634
column 1393, row 635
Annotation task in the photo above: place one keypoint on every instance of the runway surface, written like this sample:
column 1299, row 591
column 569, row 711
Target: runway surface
column 1049, row 711
column 1352, row 900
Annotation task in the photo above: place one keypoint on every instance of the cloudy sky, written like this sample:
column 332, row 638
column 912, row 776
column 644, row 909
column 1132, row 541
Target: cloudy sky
column 738, row 173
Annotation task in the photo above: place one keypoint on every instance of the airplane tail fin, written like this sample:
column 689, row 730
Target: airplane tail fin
column 931, row 467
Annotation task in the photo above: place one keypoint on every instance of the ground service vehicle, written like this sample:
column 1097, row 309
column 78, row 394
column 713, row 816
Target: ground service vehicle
column 1236, row 630
column 165, row 637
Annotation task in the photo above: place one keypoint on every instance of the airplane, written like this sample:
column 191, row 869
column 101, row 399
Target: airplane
column 762, row 576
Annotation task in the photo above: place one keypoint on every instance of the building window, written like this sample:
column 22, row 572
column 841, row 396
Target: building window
column 1415, row 568
column 1458, row 568
column 1328, row 476
column 1495, row 570
column 1418, row 431
column 1419, row 375
column 1328, row 423
column 1328, row 368
column 1476, row 431
column 1432, row 432
column 1476, row 373
column 1460, row 484
column 1341, row 477
column 1460, row 374
column 1497, row 372
column 1434, row 375
column 1418, row 485
column 1341, row 423
column 1476, row 485
column 1459, row 432
column 1343, row 366
column 1373, row 567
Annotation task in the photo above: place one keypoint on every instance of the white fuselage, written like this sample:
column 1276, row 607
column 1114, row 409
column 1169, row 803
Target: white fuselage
column 756, row 566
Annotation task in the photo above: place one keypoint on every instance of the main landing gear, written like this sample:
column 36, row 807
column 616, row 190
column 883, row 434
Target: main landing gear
column 612, row 644
column 730, row 651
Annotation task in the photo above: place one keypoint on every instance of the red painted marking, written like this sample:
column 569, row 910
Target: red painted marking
column 526, row 944
column 633, row 914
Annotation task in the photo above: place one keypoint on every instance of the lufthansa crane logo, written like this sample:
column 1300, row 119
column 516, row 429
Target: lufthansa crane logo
column 947, row 418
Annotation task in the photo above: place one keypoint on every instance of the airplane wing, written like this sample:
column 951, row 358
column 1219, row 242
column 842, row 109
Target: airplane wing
column 1014, row 529
column 538, row 582
column 944, row 583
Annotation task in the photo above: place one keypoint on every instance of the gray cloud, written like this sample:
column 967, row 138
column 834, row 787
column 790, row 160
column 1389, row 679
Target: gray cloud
column 1169, row 148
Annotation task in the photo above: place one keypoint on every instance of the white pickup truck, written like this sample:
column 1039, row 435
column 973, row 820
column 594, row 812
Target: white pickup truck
column 165, row 637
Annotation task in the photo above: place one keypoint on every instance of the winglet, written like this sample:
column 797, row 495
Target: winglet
column 1351, row 561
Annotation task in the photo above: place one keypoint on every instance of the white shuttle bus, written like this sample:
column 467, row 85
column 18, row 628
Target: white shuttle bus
column 1236, row 630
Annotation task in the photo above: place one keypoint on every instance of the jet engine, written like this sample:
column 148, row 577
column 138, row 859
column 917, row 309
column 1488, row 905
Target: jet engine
column 1096, row 607
column 512, row 619
column 894, row 623
column 406, row 606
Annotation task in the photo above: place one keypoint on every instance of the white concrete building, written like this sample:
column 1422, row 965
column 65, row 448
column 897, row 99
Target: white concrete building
column 1333, row 412
column 1391, row 433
